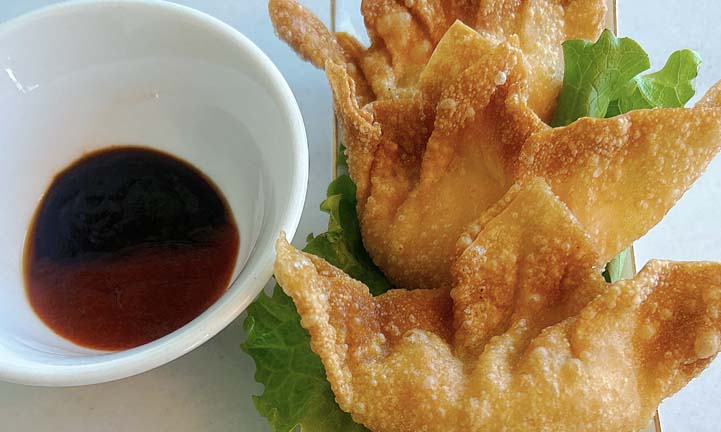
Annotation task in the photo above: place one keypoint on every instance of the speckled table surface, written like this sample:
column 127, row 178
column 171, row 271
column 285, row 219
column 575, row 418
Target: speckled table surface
column 209, row 389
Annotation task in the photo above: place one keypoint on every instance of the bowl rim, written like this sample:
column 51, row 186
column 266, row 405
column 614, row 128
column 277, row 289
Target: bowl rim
column 106, row 367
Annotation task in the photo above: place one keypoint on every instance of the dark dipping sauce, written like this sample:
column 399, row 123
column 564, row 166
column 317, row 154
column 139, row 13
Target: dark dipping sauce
column 128, row 245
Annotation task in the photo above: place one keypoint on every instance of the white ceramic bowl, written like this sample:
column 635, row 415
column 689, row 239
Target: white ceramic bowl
column 86, row 75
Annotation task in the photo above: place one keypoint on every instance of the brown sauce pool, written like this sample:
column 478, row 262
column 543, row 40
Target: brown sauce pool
column 127, row 245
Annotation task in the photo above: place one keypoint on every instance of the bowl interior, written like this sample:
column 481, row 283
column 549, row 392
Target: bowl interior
column 85, row 76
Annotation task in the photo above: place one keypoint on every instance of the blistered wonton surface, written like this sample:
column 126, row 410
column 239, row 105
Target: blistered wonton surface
column 496, row 227
column 434, row 139
column 529, row 338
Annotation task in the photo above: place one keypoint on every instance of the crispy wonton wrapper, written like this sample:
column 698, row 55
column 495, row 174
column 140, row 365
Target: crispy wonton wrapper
column 437, row 151
column 529, row 338
column 464, row 190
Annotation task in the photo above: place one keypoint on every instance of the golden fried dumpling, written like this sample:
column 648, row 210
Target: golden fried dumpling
column 416, row 194
column 431, row 159
column 532, row 339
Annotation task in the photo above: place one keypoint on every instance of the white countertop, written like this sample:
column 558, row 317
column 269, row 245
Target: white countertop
column 208, row 390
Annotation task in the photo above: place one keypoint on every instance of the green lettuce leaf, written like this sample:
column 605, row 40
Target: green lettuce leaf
column 342, row 244
column 297, row 392
column 670, row 87
column 595, row 74
column 602, row 79
column 614, row 269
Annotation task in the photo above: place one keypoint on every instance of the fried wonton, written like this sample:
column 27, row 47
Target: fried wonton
column 529, row 338
column 425, row 173
column 404, row 34
column 435, row 154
